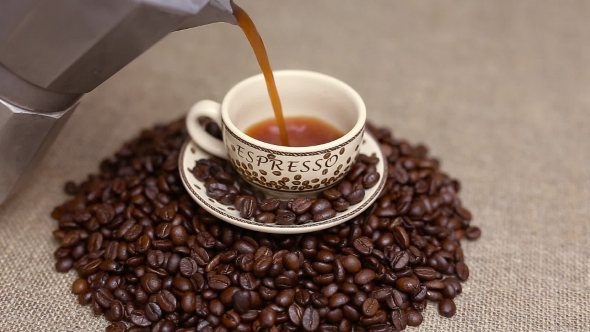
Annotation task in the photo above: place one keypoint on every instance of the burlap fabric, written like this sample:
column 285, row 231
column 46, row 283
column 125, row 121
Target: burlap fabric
column 497, row 89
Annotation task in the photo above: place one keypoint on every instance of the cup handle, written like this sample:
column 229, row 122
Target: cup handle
column 198, row 134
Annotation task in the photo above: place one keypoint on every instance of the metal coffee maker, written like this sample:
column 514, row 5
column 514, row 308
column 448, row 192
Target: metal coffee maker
column 52, row 52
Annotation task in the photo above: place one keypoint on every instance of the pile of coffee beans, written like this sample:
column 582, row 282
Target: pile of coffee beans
column 225, row 185
column 150, row 259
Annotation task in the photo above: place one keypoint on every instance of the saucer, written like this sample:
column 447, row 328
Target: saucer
column 191, row 152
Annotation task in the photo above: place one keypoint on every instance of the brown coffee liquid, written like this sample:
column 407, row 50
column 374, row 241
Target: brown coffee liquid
column 302, row 131
column 246, row 24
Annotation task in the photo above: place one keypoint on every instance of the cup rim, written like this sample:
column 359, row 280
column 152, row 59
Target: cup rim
column 349, row 135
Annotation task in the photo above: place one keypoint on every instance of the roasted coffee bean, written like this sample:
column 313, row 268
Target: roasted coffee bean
column 342, row 325
column 433, row 295
column 340, row 205
column 414, row 318
column 319, row 205
column 199, row 255
column 434, row 284
column 116, row 327
column 95, row 241
column 201, row 308
column 242, row 301
column 323, row 279
column 285, row 218
column 104, row 297
column 155, row 258
column 379, row 317
column 267, row 317
column 338, row 300
column 363, row 245
column 356, row 196
column 86, row 297
column 178, row 235
column 270, row 204
column 304, row 218
column 370, row 180
column 425, row 273
column 462, row 271
column 265, row 217
column 451, row 288
column 406, row 284
column 261, row 266
column 266, row 293
column 420, row 295
column 244, row 247
column 351, row 264
column 231, row 319
column 166, row 301
column 382, row 328
column 455, row 283
column 285, row 298
column 138, row 318
column 151, row 283
column 152, row 311
column 114, row 282
column 247, row 207
column 295, row 314
column 332, row 194
column 188, row 301
column 262, row 252
column 473, row 233
column 141, row 296
column 79, row 286
column 216, row 307
column 370, row 307
column 321, row 267
column 334, row 316
column 350, row 312
column 248, row 282
column 318, row 300
column 226, row 295
column 188, row 266
column 381, row 294
column 162, row 244
column 397, row 299
column 245, row 262
column 291, row 261
column 398, row 320
column 447, row 308
column 348, row 288
column 364, row 276
column 301, row 205
column 163, row 230
column 401, row 237
column 219, row 282
column 64, row 264
column 310, row 320
column 164, row 326
column 324, row 215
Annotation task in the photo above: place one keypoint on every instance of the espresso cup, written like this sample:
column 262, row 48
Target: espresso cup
column 284, row 171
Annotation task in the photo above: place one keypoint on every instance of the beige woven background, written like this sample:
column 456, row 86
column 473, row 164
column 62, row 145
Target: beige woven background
column 498, row 89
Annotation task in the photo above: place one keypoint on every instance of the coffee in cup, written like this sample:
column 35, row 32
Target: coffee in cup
column 285, row 171
column 301, row 130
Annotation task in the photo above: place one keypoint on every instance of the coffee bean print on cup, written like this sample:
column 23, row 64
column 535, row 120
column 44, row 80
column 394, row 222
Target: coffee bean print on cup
column 161, row 263
column 253, row 205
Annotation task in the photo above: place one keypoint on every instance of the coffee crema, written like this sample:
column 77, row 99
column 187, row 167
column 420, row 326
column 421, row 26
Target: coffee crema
column 301, row 130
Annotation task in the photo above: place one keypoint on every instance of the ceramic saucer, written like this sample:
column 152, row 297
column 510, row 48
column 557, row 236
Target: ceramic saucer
column 191, row 152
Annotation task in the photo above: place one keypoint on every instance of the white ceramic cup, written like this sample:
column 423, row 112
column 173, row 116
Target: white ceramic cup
column 280, row 170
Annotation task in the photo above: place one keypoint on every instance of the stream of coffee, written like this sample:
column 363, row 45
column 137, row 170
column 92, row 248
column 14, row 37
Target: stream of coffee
column 249, row 29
